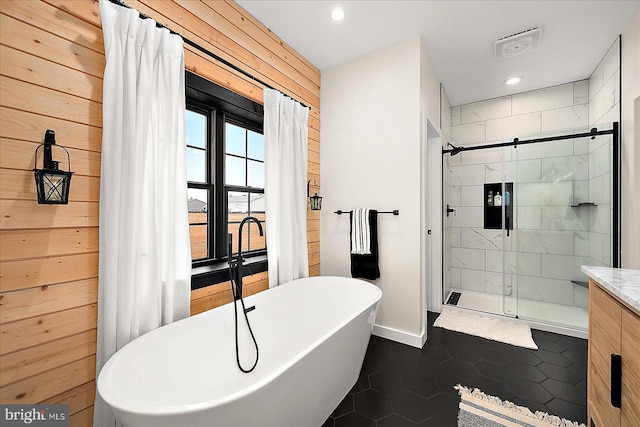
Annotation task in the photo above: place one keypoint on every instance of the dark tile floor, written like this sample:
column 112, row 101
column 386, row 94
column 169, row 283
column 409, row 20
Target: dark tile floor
column 402, row 386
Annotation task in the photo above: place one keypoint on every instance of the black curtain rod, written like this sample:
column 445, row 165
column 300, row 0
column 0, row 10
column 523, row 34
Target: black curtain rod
column 395, row 212
column 207, row 52
column 593, row 133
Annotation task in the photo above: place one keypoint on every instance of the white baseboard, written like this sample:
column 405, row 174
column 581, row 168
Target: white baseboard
column 400, row 336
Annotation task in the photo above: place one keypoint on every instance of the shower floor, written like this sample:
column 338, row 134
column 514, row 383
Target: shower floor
column 558, row 318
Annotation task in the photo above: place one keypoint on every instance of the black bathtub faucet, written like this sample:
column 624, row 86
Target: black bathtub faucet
column 239, row 260
column 235, row 273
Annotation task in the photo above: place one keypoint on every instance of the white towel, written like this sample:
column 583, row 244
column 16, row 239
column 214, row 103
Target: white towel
column 360, row 232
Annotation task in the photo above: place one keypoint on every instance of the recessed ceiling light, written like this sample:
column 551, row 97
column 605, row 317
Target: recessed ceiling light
column 512, row 81
column 337, row 14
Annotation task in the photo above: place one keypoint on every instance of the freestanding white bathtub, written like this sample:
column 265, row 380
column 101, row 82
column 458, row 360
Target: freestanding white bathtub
column 312, row 335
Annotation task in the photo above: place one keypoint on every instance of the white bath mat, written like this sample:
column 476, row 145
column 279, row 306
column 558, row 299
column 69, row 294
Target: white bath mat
column 492, row 328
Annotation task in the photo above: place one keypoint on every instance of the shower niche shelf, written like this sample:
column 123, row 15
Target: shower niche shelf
column 493, row 214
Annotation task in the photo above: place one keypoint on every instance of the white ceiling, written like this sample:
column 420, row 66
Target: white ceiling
column 459, row 36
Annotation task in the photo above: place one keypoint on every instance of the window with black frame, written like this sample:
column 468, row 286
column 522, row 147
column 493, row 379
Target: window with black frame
column 244, row 183
column 225, row 171
column 200, row 186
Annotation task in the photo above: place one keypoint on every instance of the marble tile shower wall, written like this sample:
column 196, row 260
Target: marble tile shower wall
column 551, row 241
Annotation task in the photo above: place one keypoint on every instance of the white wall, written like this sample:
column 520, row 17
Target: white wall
column 435, row 113
column 430, row 92
column 606, row 95
column 630, row 99
column 445, row 116
column 370, row 157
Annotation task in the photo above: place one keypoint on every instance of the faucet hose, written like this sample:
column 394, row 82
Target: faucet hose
column 234, row 291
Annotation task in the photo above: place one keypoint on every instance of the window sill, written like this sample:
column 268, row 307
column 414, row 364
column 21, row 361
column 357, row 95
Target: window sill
column 218, row 272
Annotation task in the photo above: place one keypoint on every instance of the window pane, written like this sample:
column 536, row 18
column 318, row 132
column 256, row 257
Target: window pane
column 235, row 139
column 198, row 217
column 257, row 205
column 255, row 145
column 198, row 204
column 196, row 165
column 196, row 129
column 235, row 171
column 255, row 240
column 237, row 206
column 233, row 230
column 198, row 241
column 238, row 203
column 251, row 238
column 255, row 176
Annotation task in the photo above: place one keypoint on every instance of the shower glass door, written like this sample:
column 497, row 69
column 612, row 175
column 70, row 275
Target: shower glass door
column 473, row 231
column 509, row 200
column 562, row 203
column 520, row 254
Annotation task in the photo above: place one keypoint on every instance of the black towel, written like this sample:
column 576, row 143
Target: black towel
column 366, row 266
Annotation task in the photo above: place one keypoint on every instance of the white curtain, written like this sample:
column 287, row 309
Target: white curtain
column 286, row 140
column 145, row 257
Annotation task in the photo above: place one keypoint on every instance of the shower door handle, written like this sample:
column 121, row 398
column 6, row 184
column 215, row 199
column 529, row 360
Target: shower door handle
column 507, row 224
column 449, row 210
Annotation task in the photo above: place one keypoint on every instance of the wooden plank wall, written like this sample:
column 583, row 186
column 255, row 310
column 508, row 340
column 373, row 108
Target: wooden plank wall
column 51, row 70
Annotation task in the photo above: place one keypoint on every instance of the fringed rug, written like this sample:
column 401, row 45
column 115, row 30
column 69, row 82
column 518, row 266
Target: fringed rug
column 492, row 328
column 481, row 410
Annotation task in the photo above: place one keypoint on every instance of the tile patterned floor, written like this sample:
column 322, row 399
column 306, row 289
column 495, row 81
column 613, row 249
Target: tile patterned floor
column 402, row 386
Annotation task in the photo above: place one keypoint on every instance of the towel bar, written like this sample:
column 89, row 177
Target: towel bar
column 395, row 212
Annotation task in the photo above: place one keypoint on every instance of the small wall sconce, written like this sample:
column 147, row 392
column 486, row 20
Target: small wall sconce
column 52, row 184
column 315, row 201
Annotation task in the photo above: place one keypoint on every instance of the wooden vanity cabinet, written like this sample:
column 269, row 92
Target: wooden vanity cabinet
column 630, row 413
column 614, row 329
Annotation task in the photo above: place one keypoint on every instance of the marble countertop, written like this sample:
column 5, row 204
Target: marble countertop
column 625, row 284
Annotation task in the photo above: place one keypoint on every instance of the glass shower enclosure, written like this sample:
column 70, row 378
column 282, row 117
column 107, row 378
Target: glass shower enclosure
column 522, row 217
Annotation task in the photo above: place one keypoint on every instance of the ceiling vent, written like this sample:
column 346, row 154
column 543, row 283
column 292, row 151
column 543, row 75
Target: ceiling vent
column 518, row 43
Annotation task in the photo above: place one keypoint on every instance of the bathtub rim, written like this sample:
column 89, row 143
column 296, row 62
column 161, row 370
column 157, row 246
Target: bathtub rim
column 118, row 404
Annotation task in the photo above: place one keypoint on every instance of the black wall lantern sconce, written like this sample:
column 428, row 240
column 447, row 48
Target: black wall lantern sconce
column 52, row 184
column 315, row 201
